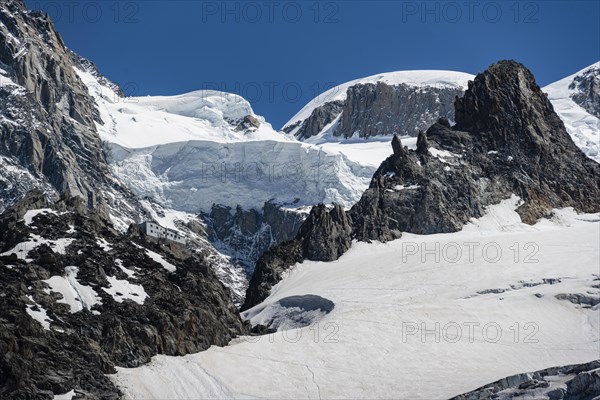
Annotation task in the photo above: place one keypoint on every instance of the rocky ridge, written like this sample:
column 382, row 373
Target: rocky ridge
column 507, row 141
column 324, row 236
column 245, row 235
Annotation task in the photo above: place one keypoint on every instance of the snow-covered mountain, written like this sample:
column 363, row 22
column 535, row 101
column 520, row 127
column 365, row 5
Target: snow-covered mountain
column 401, row 103
column 87, row 293
column 381, row 320
column 576, row 99
column 191, row 151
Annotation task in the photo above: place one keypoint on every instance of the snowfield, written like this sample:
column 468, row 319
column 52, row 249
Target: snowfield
column 423, row 317
column 583, row 127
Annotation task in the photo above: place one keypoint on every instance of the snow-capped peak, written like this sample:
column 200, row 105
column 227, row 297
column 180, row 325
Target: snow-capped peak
column 139, row 122
column 417, row 78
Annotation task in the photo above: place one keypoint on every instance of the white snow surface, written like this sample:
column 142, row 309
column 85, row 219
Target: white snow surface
column 76, row 295
column 583, row 127
column 122, row 290
column 138, row 122
column 184, row 152
column 192, row 176
column 380, row 339
column 159, row 259
column 40, row 315
column 30, row 214
column 418, row 78
column 65, row 396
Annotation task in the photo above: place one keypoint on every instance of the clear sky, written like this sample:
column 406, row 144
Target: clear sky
column 279, row 54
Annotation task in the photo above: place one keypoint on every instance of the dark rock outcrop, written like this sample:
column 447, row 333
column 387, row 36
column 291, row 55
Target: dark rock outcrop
column 586, row 90
column 245, row 235
column 383, row 110
column 186, row 309
column 324, row 236
column 318, row 119
column 571, row 382
column 507, row 140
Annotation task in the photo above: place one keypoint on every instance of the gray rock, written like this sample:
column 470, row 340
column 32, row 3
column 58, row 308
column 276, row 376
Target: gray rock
column 379, row 109
column 579, row 298
column 586, row 91
column 318, row 119
column 245, row 235
column 507, row 140
column 573, row 382
column 384, row 110
column 49, row 121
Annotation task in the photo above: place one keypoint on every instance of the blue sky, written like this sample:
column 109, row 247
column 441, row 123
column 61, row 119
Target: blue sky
column 280, row 54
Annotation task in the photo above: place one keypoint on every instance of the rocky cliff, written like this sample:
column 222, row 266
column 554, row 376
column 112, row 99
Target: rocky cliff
column 324, row 236
column 48, row 118
column 507, row 141
column 585, row 90
column 384, row 110
column 400, row 103
column 245, row 235
column 81, row 294
column 79, row 299
column 317, row 121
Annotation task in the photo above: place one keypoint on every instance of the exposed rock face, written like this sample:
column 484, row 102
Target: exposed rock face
column 571, row 382
column 586, row 91
column 48, row 117
column 246, row 234
column 324, row 236
column 507, row 140
column 384, row 110
column 135, row 298
column 319, row 119
column 380, row 109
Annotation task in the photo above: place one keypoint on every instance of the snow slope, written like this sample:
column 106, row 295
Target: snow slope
column 137, row 122
column 583, row 127
column 418, row 78
column 187, row 153
column 496, row 315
